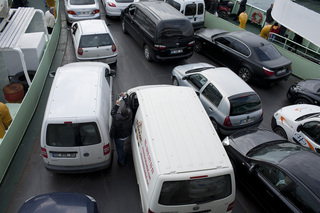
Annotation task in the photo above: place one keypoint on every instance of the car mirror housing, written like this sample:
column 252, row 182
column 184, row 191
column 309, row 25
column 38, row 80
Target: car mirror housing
column 226, row 141
column 111, row 73
column 252, row 168
column 299, row 128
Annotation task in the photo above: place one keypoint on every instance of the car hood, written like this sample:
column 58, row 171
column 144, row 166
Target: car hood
column 208, row 33
column 293, row 112
column 312, row 85
column 244, row 141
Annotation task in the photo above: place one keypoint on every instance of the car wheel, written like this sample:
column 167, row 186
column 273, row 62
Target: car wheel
column 223, row 14
column 215, row 125
column 197, row 47
column 245, row 74
column 147, row 53
column 124, row 29
column 302, row 101
column 280, row 131
column 175, row 81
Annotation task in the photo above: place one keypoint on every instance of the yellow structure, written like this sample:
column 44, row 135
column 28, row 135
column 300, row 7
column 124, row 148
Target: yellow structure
column 243, row 18
column 52, row 3
column 5, row 119
column 265, row 31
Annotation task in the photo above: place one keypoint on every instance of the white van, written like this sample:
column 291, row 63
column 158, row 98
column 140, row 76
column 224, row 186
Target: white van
column 193, row 9
column 180, row 163
column 75, row 129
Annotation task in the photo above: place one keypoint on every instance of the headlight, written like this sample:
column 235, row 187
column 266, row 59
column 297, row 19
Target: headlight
column 295, row 89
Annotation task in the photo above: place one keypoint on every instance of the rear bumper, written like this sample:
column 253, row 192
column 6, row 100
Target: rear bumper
column 73, row 18
column 166, row 58
column 79, row 169
column 108, row 60
column 230, row 130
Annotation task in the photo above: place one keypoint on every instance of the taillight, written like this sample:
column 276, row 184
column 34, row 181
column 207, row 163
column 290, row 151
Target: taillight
column 111, row 4
column 227, row 122
column 106, row 149
column 71, row 12
column 149, row 211
column 114, row 48
column 44, row 152
column 159, row 47
column 80, row 51
column 268, row 72
column 95, row 11
column 190, row 44
column 230, row 207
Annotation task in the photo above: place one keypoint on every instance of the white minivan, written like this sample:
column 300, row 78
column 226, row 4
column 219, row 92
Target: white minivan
column 194, row 10
column 180, row 163
column 75, row 129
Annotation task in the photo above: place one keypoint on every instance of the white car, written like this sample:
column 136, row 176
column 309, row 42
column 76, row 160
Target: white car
column 299, row 123
column 92, row 40
column 114, row 7
column 77, row 10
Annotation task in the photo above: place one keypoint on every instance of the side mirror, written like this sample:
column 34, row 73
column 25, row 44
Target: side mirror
column 198, row 93
column 111, row 73
column 299, row 128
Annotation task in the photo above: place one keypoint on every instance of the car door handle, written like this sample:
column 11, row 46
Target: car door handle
column 210, row 109
column 86, row 154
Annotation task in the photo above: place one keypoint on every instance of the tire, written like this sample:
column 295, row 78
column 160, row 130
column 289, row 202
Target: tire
column 175, row 81
column 124, row 29
column 302, row 101
column 197, row 47
column 223, row 15
column 147, row 53
column 280, row 131
column 245, row 74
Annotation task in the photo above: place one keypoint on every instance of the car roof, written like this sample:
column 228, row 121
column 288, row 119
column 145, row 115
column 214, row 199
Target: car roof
column 94, row 26
column 305, row 166
column 162, row 10
column 249, row 38
column 225, row 80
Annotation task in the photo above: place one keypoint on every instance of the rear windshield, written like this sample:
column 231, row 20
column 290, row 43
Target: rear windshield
column 95, row 40
column 191, row 10
column 195, row 191
column 175, row 29
column 82, row 2
column 70, row 135
column 244, row 104
column 267, row 52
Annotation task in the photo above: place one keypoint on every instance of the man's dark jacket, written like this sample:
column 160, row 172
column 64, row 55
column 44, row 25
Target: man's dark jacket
column 122, row 124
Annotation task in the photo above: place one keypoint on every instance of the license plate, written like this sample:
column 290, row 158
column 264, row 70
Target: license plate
column 245, row 121
column 83, row 13
column 64, row 154
column 281, row 72
column 176, row 51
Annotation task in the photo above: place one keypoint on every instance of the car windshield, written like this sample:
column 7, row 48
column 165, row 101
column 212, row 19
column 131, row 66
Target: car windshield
column 175, row 29
column 70, row 135
column 244, row 104
column 82, row 2
column 311, row 115
column 196, row 191
column 275, row 152
column 267, row 52
column 95, row 40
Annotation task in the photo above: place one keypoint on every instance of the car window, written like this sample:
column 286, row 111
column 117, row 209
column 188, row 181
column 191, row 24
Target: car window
column 96, row 40
column 70, row 135
column 179, row 29
column 82, row 2
column 274, row 175
column 212, row 94
column 191, row 10
column 301, row 199
column 197, row 80
column 244, row 104
column 312, row 130
column 225, row 41
column 150, row 27
column 200, row 8
column 240, row 47
column 267, row 52
column 140, row 17
column 174, row 4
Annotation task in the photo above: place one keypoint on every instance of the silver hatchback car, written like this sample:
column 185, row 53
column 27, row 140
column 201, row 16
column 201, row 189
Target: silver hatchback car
column 77, row 10
column 230, row 102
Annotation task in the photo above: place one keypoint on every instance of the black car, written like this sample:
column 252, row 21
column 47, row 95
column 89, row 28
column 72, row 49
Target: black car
column 305, row 92
column 60, row 202
column 162, row 31
column 247, row 54
column 283, row 176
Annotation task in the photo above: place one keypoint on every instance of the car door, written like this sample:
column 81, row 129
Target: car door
column 267, row 182
column 308, row 135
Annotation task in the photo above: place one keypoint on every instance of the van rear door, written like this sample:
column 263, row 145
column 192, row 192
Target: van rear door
column 194, row 11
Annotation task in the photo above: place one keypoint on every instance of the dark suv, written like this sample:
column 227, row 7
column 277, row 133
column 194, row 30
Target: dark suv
column 162, row 31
